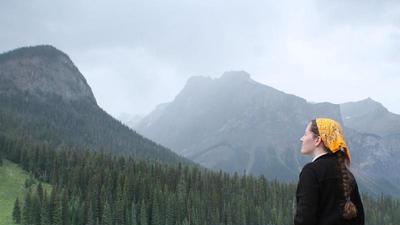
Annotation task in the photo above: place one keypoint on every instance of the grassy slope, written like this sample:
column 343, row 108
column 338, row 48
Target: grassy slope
column 12, row 179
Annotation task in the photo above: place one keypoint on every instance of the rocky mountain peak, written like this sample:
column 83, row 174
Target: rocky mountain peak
column 235, row 76
column 42, row 51
column 228, row 79
column 198, row 80
column 366, row 106
column 372, row 103
column 370, row 116
column 41, row 71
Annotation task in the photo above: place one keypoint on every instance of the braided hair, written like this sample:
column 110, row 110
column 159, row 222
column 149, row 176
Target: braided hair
column 343, row 163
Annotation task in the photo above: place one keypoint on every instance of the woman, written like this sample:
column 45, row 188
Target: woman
column 327, row 191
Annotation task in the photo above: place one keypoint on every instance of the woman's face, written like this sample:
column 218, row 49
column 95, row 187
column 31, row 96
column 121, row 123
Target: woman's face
column 309, row 141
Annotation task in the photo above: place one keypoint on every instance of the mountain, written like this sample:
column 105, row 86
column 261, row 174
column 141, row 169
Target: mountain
column 234, row 123
column 44, row 97
column 130, row 120
column 369, row 116
column 42, row 71
column 374, row 161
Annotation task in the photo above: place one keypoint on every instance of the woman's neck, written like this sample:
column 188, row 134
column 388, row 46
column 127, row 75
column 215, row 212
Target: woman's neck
column 319, row 152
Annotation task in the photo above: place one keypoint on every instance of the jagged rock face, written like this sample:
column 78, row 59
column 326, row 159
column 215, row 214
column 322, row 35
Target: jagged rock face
column 41, row 71
column 369, row 116
column 374, row 161
column 236, row 124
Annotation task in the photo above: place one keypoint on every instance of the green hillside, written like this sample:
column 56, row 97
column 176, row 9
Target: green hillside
column 12, row 180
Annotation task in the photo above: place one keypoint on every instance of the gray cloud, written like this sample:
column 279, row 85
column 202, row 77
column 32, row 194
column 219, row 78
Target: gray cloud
column 137, row 54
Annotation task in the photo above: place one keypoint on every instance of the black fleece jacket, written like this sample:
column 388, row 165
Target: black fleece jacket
column 319, row 195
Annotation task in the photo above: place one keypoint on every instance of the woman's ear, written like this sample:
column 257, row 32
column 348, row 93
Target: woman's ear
column 318, row 141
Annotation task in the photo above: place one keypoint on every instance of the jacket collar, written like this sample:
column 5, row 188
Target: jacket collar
column 321, row 156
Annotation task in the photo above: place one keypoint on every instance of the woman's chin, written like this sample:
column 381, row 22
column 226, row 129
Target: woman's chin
column 304, row 152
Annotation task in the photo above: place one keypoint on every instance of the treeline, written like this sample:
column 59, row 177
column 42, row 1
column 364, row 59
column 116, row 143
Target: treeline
column 95, row 188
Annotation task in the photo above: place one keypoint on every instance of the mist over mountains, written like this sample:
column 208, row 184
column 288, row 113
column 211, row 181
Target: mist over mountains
column 232, row 123
column 236, row 124
column 44, row 98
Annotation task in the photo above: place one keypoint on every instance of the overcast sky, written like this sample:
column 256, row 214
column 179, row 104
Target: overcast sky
column 137, row 54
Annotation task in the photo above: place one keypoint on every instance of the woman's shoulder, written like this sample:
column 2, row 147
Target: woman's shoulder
column 325, row 160
column 323, row 167
column 322, row 160
column 308, row 174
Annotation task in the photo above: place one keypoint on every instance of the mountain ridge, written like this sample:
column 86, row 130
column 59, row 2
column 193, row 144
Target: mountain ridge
column 44, row 97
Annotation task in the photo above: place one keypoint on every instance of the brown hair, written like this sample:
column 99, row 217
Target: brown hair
column 349, row 209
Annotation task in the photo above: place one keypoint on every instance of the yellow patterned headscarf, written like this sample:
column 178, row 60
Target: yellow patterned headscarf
column 332, row 136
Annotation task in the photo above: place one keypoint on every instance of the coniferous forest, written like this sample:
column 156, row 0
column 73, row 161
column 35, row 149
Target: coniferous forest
column 100, row 188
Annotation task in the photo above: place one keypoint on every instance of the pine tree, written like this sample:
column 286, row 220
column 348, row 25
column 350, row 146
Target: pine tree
column 228, row 215
column 64, row 208
column 181, row 200
column 120, row 208
column 170, row 211
column 242, row 214
column 143, row 214
column 16, row 212
column 57, row 209
column 1, row 157
column 155, row 212
column 195, row 217
column 107, row 214
column 133, row 214
column 35, row 209
column 26, row 211
column 44, row 212
column 39, row 191
column 185, row 222
column 90, row 217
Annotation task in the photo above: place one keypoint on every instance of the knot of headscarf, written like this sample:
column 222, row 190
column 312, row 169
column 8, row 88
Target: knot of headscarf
column 332, row 136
